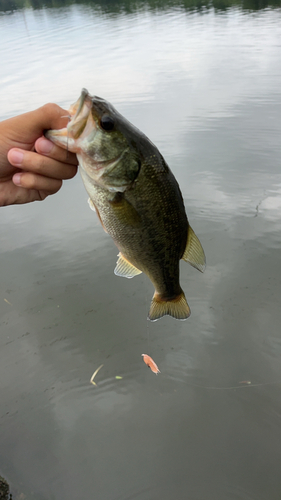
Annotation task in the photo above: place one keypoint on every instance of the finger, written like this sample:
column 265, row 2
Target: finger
column 48, row 148
column 26, row 128
column 52, row 116
column 42, row 165
column 48, row 116
column 29, row 180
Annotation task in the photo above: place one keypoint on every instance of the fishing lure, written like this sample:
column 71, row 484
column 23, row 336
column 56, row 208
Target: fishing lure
column 152, row 365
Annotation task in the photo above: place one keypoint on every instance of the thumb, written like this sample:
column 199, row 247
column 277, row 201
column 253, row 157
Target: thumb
column 52, row 116
column 24, row 129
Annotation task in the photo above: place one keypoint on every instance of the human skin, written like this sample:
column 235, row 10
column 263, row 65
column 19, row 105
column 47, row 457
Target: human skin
column 32, row 167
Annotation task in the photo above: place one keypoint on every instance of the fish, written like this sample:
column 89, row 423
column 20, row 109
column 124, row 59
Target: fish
column 152, row 365
column 136, row 197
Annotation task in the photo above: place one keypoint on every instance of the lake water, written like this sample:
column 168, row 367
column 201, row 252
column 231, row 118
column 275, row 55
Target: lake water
column 204, row 83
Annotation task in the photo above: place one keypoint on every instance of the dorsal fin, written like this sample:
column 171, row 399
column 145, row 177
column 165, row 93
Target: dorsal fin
column 194, row 253
column 125, row 268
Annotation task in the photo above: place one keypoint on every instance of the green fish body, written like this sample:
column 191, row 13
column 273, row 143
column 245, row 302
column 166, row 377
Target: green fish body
column 137, row 199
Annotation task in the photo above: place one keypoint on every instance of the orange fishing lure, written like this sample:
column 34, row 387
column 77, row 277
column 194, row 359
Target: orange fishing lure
column 149, row 362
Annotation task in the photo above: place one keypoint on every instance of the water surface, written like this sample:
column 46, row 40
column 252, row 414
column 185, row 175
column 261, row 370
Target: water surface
column 204, row 84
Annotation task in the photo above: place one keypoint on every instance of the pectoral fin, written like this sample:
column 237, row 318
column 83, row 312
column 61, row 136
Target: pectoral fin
column 94, row 208
column 194, row 253
column 124, row 210
column 91, row 205
column 125, row 268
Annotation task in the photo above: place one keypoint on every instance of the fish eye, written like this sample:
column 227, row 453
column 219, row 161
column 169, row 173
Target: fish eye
column 107, row 122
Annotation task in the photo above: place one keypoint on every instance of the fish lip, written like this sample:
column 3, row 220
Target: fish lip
column 76, row 108
column 79, row 113
column 80, row 123
column 83, row 96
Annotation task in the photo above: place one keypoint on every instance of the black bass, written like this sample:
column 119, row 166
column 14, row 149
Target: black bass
column 136, row 197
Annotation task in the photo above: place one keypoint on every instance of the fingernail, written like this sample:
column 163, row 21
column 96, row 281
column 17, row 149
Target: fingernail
column 17, row 179
column 16, row 157
column 44, row 146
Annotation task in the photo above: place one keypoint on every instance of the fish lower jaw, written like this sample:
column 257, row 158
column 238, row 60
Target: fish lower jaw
column 62, row 139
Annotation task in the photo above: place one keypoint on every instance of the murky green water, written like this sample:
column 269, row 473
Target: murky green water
column 204, row 85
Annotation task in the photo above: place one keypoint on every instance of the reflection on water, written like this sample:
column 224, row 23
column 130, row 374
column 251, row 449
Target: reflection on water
column 204, row 85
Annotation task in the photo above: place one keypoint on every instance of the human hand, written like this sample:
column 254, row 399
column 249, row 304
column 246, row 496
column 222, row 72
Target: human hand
column 31, row 166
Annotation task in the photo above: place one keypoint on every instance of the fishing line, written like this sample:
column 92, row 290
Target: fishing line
column 147, row 320
column 148, row 338
column 67, row 151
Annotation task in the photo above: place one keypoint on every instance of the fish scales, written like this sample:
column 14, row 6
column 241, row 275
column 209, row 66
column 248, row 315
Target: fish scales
column 146, row 243
column 137, row 199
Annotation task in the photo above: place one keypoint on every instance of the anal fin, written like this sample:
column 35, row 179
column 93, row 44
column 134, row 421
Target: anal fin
column 194, row 253
column 125, row 268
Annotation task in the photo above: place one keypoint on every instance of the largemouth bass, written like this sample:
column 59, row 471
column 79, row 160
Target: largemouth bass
column 136, row 197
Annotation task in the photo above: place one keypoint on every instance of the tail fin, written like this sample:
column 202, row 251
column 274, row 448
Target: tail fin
column 177, row 308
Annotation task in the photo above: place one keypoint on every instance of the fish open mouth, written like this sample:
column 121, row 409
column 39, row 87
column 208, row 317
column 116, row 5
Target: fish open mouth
column 79, row 112
column 80, row 133
column 80, row 125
